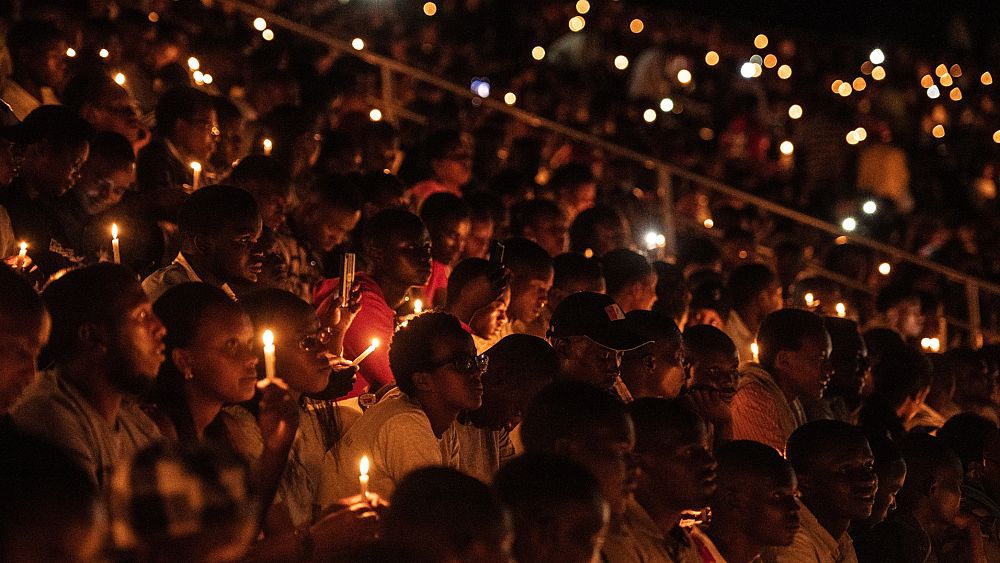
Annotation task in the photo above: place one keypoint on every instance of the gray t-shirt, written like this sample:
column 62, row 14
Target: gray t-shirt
column 482, row 451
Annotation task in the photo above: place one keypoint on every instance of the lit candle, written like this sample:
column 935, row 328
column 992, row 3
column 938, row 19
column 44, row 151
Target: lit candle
column 366, row 353
column 754, row 350
column 268, row 339
column 810, row 300
column 114, row 243
column 196, row 168
column 930, row 344
column 268, row 145
column 418, row 306
column 363, row 477
column 841, row 310
column 20, row 256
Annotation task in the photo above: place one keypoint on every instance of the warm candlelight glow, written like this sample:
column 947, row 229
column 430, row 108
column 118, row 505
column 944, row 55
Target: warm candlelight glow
column 196, row 168
column 367, row 352
column 19, row 264
column 268, row 340
column 114, row 230
column 268, row 146
column 418, row 306
column 115, row 248
column 755, row 350
column 810, row 300
column 930, row 344
column 120, row 79
column 363, row 476
column 841, row 310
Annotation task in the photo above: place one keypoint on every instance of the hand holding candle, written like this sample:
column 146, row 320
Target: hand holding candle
column 20, row 256
column 268, row 339
column 363, row 477
column 366, row 353
column 115, row 250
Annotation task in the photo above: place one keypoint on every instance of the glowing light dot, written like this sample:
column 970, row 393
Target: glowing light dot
column 748, row 70
column 684, row 76
column 194, row 63
column 538, row 53
column 940, row 70
column 795, row 111
column 267, row 34
column 862, row 134
column 71, row 52
column 938, row 131
column 649, row 115
column 786, row 147
column 711, row 58
column 207, row 79
column 784, row 72
column 859, row 84
column 955, row 70
column 358, row 43
column 196, row 166
column 577, row 23
column 866, row 67
column 120, row 79
column 770, row 61
column 706, row 134
column 588, row 253
column 621, row 62
column 878, row 73
column 933, row 92
column 996, row 136
column 841, row 310
column 876, row 56
column 845, row 89
column 636, row 26
column 708, row 223
column 582, row 6
column 849, row 224
column 757, row 59
column 946, row 80
column 153, row 17
column 986, row 78
column 869, row 207
column 260, row 24
column 666, row 104
column 836, row 86
column 927, row 81
column 482, row 89
column 430, row 8
column 760, row 41
column 375, row 115
column 955, row 94
column 852, row 138
column 840, row 240
column 510, row 98
column 198, row 76
column 103, row 53
column 884, row 268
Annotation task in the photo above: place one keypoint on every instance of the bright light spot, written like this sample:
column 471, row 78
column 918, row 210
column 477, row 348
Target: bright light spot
column 711, row 58
column 784, row 72
column 946, row 80
column 940, row 70
column 869, row 207
column 757, row 59
column 538, row 53
column 770, row 61
column 845, row 89
column 375, row 115
column 207, row 78
column 927, row 81
column 153, row 17
column 267, row 34
column 878, row 73
column 588, row 253
column 810, row 299
column 755, row 350
column 938, row 131
column 836, row 85
column 103, row 53
column 955, row 70
column 760, row 41
column 582, row 6
column 884, row 268
column 862, row 133
column 577, row 23
column 706, row 134
column 986, row 78
column 841, row 310
column 636, row 26
column 621, row 62
column 840, row 240
column 649, row 115
column 684, row 76
column 430, row 8
column 786, row 147
column 198, row 76
column 260, row 24
column 876, row 56
column 933, row 92
column 196, row 166
column 651, row 239
column 795, row 111
column 120, row 79
column 852, row 138
column 996, row 136
column 709, row 223
column 955, row 94
column 866, row 67
column 666, row 104
column 71, row 52
column 859, row 84
column 483, row 89
column 194, row 63
column 849, row 224
column 747, row 70
column 757, row 70
column 358, row 43
column 510, row 98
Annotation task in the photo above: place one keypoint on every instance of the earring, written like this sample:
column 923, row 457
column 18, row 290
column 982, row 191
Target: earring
column 188, row 375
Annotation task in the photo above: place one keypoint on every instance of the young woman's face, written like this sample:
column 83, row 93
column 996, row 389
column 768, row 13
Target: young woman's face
column 222, row 358
column 301, row 352
column 487, row 322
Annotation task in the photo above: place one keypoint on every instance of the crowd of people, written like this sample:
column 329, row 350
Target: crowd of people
column 244, row 318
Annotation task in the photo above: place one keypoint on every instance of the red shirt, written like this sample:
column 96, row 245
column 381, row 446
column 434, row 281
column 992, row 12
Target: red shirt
column 438, row 280
column 376, row 319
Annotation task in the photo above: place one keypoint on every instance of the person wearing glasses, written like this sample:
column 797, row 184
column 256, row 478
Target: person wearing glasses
column 219, row 228
column 711, row 375
column 438, row 375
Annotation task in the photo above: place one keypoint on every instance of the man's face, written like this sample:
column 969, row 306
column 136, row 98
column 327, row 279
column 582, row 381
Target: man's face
column 488, row 321
column 910, row 320
column 680, row 469
column 850, row 369
column 658, row 365
column 55, row 168
column 609, row 455
column 946, row 494
column 272, row 209
column 448, row 242
column 578, row 536
column 718, row 371
column 842, row 481
column 117, row 113
column 768, row 511
column 456, row 375
column 135, row 347
column 582, row 359
column 234, row 253
column 21, row 341
column 528, row 295
column 49, row 66
column 890, row 481
column 330, row 226
column 478, row 243
column 407, row 258
column 551, row 233
column 102, row 186
column 197, row 135
column 809, row 367
column 301, row 356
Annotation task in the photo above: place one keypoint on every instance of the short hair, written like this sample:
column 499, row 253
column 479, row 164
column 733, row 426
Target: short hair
column 526, row 259
column 486, row 206
column 378, row 187
column 739, row 459
column 654, row 327
column 442, row 209
column 673, row 296
column 966, row 434
column 747, row 281
column 56, row 125
column 19, row 302
column 522, row 356
column 412, row 345
column 269, row 306
column 538, row 487
column 389, row 224
column 225, row 109
column 623, row 267
column 571, row 267
column 787, row 329
column 709, row 292
column 334, row 190
column 31, row 37
column 181, row 102
column 846, row 340
column 656, row 418
column 90, row 87
column 902, row 375
column 882, row 343
column 884, row 448
column 702, row 340
column 809, row 442
column 212, row 208
column 698, row 250
column 463, row 274
column 93, row 294
column 569, row 410
column 569, row 176
column 531, row 212
column 926, row 456
column 892, row 295
column 260, row 173
column 113, row 149
column 584, row 227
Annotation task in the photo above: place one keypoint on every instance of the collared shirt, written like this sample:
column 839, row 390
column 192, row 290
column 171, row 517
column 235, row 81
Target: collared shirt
column 812, row 544
column 637, row 539
column 761, row 412
column 304, row 268
column 741, row 335
column 179, row 271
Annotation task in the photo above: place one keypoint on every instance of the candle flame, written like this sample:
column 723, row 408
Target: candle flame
column 364, row 466
column 418, row 306
column 376, row 342
column 196, row 166
column 268, row 338
column 268, row 144
column 24, row 246
column 114, row 230
column 841, row 310
column 810, row 299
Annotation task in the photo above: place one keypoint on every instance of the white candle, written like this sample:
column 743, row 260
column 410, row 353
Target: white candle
column 196, row 168
column 755, row 350
column 268, row 339
column 20, row 256
column 366, row 353
column 418, row 306
column 114, row 243
column 363, row 477
column 268, row 145
column 841, row 310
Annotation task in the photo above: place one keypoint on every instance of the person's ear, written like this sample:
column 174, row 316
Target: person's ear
column 182, row 360
column 202, row 244
column 423, row 381
column 783, row 361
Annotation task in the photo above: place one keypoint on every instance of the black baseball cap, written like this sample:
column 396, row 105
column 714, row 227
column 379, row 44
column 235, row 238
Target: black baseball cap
column 597, row 317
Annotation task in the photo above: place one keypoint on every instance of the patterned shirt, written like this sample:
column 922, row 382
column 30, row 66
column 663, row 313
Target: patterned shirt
column 761, row 412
